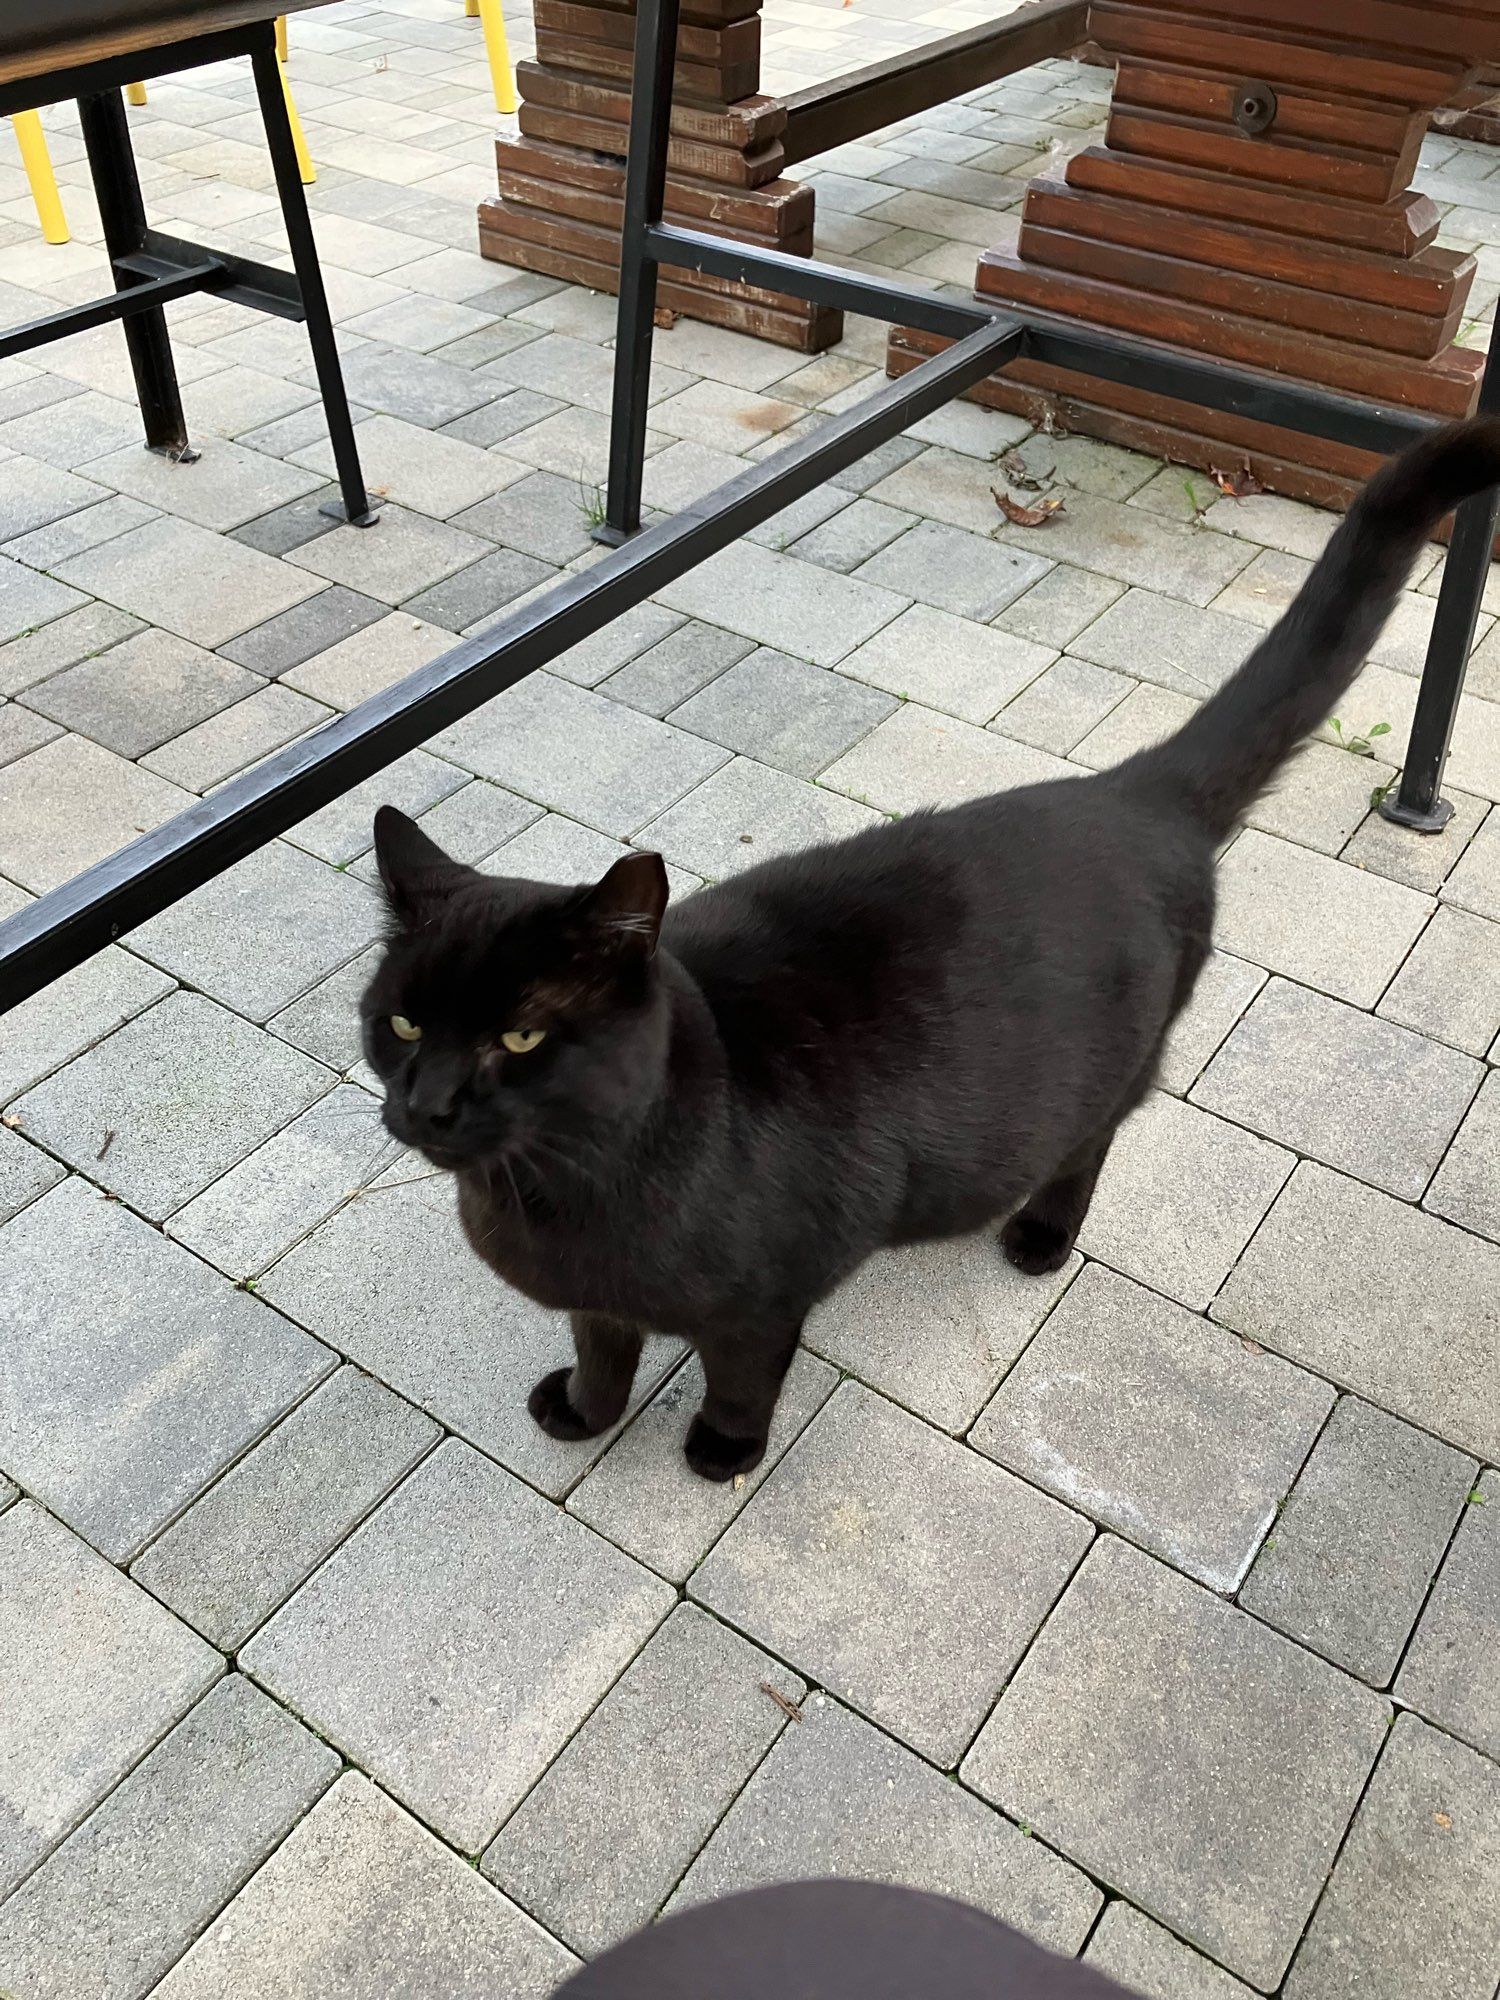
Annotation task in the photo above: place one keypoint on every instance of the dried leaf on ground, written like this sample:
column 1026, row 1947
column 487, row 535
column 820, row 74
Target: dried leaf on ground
column 784, row 1702
column 664, row 316
column 1024, row 516
column 1019, row 473
column 1238, row 485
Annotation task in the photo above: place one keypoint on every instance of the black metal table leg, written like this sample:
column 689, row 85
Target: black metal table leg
column 645, row 190
column 106, row 135
column 1415, row 802
column 356, row 505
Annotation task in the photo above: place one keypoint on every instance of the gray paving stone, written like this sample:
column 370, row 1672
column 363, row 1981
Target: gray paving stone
column 73, row 432
column 365, row 662
column 934, row 1326
column 918, row 757
column 25, row 1172
column 517, row 411
column 870, row 1513
column 1357, row 1544
column 1449, row 988
column 414, row 467
column 10, row 1493
column 203, row 587
column 1415, row 1896
column 1382, row 695
column 1475, row 881
column 33, row 493
column 416, row 387
column 1180, row 1197
column 245, row 1546
column 542, row 515
column 1320, row 797
column 225, row 486
column 1060, row 605
column 74, row 1011
column 21, row 732
column 1277, row 523
column 1448, row 1670
column 403, row 553
column 950, row 486
column 360, row 1902
column 344, row 829
column 676, row 478
column 597, row 1847
column 1134, row 546
column 296, row 635
column 69, row 804
column 1319, row 921
column 746, row 813
column 558, row 850
column 778, row 601
column 837, row 1798
column 948, row 663
column 287, row 1186
column 62, row 642
column 1352, row 1090
column 958, row 572
column 783, row 712
column 1162, row 639
column 1225, row 988
column 1467, row 1187
column 675, row 667
column 77, row 1714
column 235, row 738
column 1062, row 706
column 304, row 919
column 187, row 1089
column 852, row 535
column 325, row 1020
column 1381, row 1299
column 1151, row 1962
column 626, row 638
column 571, row 749
column 111, row 1909
column 472, row 1366
column 578, row 370
column 1180, row 1750
column 1156, row 1424
column 1147, row 716
column 457, row 1640
column 473, row 821
column 142, row 692
column 476, row 593
column 641, row 1494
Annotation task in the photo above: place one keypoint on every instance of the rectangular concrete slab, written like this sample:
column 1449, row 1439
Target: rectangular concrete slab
column 183, row 1371
column 255, row 1535
column 778, row 601
column 597, row 1847
column 1399, row 1307
column 1414, row 1903
column 643, row 1497
column 116, row 1905
column 457, row 1640
column 1448, row 1673
column 95, row 1672
column 1180, row 1750
column 869, row 1514
column 361, row 1903
column 1151, row 1962
column 934, row 1326
column 1357, row 1544
column 1157, row 1424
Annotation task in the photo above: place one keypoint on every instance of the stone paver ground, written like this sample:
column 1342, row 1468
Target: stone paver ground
column 1154, row 1607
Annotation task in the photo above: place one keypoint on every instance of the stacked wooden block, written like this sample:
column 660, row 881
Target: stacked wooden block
column 1251, row 204
column 562, row 182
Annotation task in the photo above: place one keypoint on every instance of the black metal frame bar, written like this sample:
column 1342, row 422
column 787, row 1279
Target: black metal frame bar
column 68, row 924
column 151, row 269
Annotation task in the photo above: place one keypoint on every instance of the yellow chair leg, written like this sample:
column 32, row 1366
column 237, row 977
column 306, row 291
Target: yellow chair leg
column 135, row 93
column 281, row 48
column 38, row 164
column 471, row 8
column 304, row 158
column 498, row 50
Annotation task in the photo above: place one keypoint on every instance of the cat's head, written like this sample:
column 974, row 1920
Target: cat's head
column 511, row 1021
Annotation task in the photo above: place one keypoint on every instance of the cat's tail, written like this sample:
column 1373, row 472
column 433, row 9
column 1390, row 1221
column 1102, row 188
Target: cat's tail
column 1221, row 759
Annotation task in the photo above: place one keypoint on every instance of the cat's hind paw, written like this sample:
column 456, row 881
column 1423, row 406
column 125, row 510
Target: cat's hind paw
column 549, row 1406
column 1033, row 1246
column 714, row 1455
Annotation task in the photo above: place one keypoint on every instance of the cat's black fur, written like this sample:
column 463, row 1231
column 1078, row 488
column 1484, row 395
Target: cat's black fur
column 936, row 1025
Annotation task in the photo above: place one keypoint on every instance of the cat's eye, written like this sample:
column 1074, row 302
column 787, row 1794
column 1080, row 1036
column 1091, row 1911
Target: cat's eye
column 404, row 1030
column 521, row 1041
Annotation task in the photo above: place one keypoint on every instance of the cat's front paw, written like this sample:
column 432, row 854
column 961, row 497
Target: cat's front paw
column 713, row 1455
column 1035, row 1247
column 549, row 1405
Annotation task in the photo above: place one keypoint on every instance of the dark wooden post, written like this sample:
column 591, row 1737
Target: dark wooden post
column 562, row 182
column 1251, row 202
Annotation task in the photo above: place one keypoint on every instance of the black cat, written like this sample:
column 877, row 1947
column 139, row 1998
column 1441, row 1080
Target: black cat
column 936, row 1025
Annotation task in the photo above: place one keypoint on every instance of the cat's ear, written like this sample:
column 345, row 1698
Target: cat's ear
column 414, row 871
column 630, row 902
